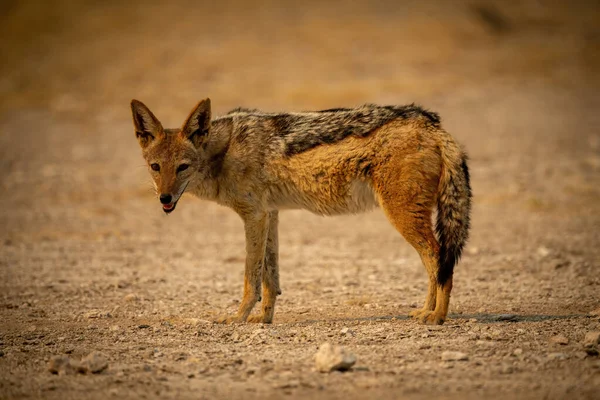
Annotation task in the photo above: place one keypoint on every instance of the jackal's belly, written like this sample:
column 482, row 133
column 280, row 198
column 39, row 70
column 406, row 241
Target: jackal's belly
column 354, row 197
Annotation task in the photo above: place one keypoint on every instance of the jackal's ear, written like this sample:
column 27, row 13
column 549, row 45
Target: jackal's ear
column 147, row 126
column 197, row 125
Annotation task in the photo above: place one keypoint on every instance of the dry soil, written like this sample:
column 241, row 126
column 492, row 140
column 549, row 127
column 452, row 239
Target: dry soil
column 88, row 261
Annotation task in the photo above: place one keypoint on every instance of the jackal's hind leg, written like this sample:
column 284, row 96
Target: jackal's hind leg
column 416, row 228
column 429, row 305
column 407, row 194
column 421, row 237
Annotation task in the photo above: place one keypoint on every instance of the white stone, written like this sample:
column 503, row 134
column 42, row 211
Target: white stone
column 333, row 358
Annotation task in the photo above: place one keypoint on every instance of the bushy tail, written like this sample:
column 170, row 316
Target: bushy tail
column 453, row 208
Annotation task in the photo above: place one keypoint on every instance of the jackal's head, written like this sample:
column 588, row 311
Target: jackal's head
column 175, row 157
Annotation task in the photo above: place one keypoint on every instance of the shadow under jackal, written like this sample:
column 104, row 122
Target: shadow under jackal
column 336, row 161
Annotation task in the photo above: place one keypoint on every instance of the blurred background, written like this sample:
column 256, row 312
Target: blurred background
column 499, row 72
column 516, row 82
column 82, row 56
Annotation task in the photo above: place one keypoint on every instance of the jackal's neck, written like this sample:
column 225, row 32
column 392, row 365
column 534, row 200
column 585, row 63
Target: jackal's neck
column 206, row 183
column 205, row 188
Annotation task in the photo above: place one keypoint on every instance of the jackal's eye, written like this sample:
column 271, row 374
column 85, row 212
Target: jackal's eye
column 183, row 167
column 155, row 167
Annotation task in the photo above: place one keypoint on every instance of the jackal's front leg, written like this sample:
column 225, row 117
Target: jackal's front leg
column 270, row 273
column 256, row 227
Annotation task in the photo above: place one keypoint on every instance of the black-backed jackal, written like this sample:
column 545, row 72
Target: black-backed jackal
column 328, row 162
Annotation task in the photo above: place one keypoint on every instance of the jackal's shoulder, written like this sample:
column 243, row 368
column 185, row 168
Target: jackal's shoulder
column 296, row 132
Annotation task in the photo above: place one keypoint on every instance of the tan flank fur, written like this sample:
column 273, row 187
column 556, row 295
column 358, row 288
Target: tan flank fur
column 330, row 162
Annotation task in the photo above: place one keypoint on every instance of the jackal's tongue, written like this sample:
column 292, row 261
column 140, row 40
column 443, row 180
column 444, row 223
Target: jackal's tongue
column 168, row 206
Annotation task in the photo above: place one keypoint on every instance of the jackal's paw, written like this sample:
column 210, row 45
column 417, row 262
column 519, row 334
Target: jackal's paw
column 428, row 317
column 259, row 319
column 229, row 320
column 432, row 318
column 420, row 314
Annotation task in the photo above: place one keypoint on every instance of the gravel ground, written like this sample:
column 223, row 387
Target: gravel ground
column 89, row 263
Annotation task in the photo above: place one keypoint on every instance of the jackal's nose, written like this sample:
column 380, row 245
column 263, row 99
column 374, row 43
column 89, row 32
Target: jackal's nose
column 165, row 198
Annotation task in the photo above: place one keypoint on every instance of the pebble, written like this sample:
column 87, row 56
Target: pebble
column 557, row 356
column 95, row 362
column 347, row 331
column 559, row 339
column 543, row 251
column 131, row 297
column 595, row 312
column 62, row 365
column 123, row 284
column 333, row 358
column 454, row 356
column 93, row 314
column 591, row 339
column 518, row 352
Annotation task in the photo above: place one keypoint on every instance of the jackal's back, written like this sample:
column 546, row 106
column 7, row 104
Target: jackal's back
column 295, row 133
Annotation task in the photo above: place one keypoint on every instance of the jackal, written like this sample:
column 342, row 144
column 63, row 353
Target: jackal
column 329, row 162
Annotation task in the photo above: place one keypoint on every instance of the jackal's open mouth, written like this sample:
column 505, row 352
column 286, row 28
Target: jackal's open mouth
column 168, row 208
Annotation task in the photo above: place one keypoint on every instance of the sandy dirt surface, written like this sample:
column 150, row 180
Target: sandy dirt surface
column 88, row 261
